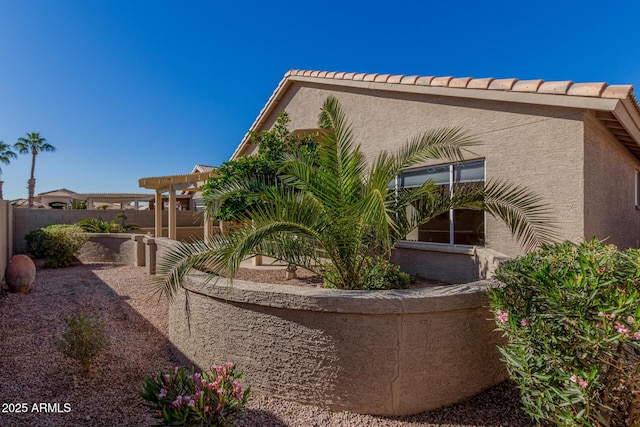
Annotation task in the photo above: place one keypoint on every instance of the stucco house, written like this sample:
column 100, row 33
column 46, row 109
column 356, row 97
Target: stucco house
column 576, row 144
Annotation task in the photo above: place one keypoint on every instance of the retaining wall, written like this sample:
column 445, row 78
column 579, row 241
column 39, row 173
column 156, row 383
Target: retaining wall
column 378, row 352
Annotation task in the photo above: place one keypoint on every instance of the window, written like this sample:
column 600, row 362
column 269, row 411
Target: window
column 460, row 226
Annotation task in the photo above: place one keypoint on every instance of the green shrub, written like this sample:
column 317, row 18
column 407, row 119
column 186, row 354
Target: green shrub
column 83, row 339
column 571, row 313
column 197, row 399
column 57, row 244
column 99, row 225
column 376, row 273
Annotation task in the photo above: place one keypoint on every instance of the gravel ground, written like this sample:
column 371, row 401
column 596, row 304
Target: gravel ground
column 34, row 372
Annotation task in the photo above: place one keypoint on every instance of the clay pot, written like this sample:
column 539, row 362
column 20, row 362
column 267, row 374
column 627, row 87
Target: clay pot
column 20, row 273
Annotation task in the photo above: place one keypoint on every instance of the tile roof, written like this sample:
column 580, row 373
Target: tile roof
column 600, row 89
column 600, row 97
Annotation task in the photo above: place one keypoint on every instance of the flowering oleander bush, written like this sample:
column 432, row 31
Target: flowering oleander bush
column 374, row 273
column 571, row 314
column 196, row 399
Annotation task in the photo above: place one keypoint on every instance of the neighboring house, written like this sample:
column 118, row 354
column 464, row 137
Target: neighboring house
column 64, row 199
column 196, row 196
column 576, row 144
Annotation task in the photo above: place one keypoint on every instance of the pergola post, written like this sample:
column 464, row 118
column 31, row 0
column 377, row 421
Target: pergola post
column 172, row 213
column 90, row 203
column 158, row 214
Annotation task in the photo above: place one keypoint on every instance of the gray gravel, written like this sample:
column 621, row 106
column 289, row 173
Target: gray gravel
column 34, row 372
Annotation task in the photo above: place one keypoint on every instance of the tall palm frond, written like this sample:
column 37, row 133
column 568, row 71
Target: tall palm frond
column 6, row 154
column 330, row 209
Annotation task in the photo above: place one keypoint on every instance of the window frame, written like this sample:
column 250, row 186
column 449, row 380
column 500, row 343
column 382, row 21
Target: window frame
column 451, row 184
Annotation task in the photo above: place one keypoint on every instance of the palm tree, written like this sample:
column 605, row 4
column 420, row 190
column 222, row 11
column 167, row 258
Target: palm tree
column 5, row 157
column 330, row 211
column 33, row 144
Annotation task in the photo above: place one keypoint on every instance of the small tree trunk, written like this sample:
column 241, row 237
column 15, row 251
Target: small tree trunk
column 32, row 186
column 1, row 182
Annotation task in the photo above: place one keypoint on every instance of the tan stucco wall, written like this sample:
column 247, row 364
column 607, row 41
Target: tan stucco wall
column 6, row 236
column 540, row 147
column 32, row 219
column 609, row 172
column 389, row 352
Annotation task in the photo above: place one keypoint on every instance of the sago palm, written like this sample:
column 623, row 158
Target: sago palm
column 33, row 144
column 329, row 211
column 5, row 158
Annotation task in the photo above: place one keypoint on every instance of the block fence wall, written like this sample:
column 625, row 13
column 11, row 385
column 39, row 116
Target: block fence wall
column 6, row 235
column 27, row 220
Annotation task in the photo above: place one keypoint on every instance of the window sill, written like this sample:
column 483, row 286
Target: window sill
column 436, row 247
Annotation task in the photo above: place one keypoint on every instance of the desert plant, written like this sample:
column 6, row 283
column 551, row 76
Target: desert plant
column 329, row 209
column 83, row 339
column 571, row 314
column 196, row 399
column 376, row 274
column 57, row 244
column 33, row 144
column 99, row 225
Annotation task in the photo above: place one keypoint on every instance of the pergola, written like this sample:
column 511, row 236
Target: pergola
column 171, row 184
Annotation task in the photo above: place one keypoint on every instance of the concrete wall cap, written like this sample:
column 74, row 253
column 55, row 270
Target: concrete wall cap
column 395, row 79
column 381, row 78
column 422, row 300
column 369, row 77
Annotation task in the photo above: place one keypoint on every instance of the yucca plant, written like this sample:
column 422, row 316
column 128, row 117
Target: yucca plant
column 330, row 210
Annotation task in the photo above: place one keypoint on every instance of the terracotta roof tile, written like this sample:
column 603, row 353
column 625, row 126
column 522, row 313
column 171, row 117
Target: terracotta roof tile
column 409, row 80
column 502, row 84
column 527, row 85
column 424, row 80
column 441, row 81
column 558, row 88
column 586, row 89
column 461, row 82
column 617, row 91
column 480, row 83
column 395, row 78
column 567, row 87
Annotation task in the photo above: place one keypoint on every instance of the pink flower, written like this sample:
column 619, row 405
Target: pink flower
column 229, row 365
column 621, row 328
column 163, row 393
column 206, row 409
column 239, row 396
column 196, row 377
column 191, row 403
column 582, row 383
column 220, row 391
column 636, row 336
column 166, row 377
column 524, row 322
column 503, row 316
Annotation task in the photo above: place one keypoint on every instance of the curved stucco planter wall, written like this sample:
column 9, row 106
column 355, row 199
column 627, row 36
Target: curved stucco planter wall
column 378, row 352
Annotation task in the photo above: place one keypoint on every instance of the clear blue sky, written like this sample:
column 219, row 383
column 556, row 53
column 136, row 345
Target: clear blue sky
column 127, row 89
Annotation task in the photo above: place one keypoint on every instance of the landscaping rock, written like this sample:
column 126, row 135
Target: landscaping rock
column 20, row 273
